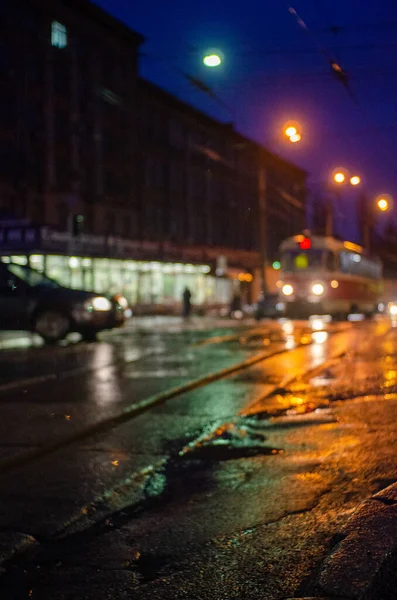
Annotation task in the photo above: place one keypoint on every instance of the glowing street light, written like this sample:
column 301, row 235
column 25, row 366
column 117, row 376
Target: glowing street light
column 212, row 60
column 355, row 180
column 339, row 177
column 382, row 203
column 291, row 131
column 296, row 137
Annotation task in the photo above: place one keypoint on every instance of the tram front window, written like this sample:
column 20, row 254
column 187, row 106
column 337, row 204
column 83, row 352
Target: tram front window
column 295, row 261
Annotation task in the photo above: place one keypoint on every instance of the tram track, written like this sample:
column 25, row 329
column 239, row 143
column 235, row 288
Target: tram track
column 134, row 410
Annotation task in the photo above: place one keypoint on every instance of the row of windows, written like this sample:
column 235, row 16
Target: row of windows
column 346, row 262
column 356, row 264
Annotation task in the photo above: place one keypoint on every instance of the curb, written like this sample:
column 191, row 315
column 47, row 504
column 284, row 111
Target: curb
column 360, row 562
column 13, row 544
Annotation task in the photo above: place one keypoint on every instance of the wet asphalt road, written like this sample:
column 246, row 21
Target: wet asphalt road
column 233, row 490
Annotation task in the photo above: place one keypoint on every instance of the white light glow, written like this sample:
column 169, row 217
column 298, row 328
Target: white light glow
column 317, row 324
column 319, row 337
column 318, row 289
column 212, row 60
column 101, row 304
column 288, row 327
column 74, row 262
column 393, row 309
column 287, row 289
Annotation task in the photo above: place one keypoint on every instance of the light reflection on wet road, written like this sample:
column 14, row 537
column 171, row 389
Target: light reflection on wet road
column 196, row 515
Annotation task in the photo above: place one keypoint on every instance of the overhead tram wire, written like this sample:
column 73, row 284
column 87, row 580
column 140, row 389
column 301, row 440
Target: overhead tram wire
column 339, row 73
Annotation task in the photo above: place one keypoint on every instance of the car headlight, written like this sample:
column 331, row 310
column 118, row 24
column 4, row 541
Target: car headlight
column 101, row 304
column 318, row 289
column 287, row 289
column 122, row 301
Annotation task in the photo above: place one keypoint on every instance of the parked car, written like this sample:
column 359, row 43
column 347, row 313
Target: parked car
column 29, row 300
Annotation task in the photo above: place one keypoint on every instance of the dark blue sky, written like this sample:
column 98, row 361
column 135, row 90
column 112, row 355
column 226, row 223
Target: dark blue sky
column 273, row 71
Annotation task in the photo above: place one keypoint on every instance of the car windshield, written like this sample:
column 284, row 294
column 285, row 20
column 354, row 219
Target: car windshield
column 32, row 277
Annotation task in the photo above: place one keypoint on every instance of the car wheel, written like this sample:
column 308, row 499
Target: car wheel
column 51, row 325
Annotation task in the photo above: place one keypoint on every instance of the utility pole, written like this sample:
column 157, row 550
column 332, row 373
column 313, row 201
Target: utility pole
column 262, row 200
column 365, row 218
column 329, row 218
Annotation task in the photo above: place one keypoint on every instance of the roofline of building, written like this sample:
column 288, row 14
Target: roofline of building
column 101, row 17
column 212, row 122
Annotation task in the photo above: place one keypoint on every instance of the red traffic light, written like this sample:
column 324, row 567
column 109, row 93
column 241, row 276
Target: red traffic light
column 305, row 244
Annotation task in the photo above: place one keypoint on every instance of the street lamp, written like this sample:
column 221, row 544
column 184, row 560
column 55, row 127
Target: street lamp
column 291, row 131
column 382, row 203
column 296, row 137
column 339, row 177
column 212, row 60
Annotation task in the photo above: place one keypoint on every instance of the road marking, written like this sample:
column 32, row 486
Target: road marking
column 220, row 339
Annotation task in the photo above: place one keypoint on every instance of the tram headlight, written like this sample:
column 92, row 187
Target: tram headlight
column 287, row 289
column 318, row 289
column 393, row 309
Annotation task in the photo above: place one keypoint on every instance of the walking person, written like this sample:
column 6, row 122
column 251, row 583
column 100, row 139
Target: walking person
column 186, row 299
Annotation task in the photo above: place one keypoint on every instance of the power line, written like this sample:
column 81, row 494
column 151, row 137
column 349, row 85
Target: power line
column 337, row 70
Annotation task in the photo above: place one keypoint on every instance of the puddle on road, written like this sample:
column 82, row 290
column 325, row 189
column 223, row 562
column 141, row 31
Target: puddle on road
column 230, row 441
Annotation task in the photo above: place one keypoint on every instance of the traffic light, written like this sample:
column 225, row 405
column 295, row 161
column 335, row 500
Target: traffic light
column 77, row 225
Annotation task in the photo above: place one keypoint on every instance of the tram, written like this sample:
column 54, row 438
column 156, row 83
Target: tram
column 325, row 275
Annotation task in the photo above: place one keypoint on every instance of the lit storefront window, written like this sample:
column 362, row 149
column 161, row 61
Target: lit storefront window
column 36, row 261
column 19, row 260
column 58, row 268
column 144, row 282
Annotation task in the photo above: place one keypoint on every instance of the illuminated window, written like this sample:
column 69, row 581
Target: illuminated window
column 59, row 35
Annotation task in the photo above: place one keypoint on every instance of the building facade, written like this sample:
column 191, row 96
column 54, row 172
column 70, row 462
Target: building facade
column 166, row 196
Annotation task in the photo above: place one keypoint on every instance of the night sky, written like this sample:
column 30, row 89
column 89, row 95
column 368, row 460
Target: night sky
column 274, row 70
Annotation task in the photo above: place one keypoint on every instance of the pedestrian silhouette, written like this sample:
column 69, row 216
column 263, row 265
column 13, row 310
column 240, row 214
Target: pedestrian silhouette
column 187, row 307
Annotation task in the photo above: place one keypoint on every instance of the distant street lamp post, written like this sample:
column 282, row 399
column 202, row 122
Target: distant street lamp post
column 382, row 203
column 291, row 132
column 340, row 177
